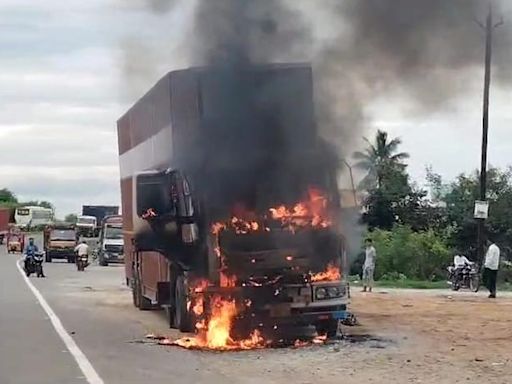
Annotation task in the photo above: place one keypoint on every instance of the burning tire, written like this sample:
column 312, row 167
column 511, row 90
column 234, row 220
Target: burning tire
column 182, row 318
column 328, row 328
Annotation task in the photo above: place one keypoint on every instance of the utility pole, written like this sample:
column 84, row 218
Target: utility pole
column 489, row 28
column 351, row 181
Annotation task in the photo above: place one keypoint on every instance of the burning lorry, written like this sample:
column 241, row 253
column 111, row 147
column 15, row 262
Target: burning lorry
column 231, row 212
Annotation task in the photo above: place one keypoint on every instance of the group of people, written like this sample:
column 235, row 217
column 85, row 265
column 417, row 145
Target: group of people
column 490, row 273
column 31, row 250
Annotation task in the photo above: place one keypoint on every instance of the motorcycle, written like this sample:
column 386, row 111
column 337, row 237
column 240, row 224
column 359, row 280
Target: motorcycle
column 34, row 264
column 82, row 262
column 467, row 277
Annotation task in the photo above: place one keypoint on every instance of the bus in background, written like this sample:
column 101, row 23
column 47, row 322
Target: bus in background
column 31, row 217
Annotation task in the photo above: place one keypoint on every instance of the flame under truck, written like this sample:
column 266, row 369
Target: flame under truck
column 227, row 185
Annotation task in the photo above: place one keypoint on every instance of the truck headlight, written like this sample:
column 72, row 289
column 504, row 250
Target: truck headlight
column 332, row 292
column 321, row 293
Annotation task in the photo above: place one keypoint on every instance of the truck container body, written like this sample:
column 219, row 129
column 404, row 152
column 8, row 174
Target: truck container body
column 111, row 242
column 99, row 212
column 224, row 178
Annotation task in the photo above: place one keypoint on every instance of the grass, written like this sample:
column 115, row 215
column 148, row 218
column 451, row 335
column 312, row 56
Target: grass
column 406, row 284
column 420, row 284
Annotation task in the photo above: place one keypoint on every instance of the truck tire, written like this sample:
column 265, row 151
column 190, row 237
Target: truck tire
column 328, row 327
column 141, row 302
column 101, row 260
column 182, row 319
column 48, row 257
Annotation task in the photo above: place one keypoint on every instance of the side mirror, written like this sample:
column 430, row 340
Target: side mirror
column 153, row 194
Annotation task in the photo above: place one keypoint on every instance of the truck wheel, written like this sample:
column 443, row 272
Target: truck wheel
column 101, row 261
column 182, row 319
column 48, row 257
column 328, row 328
column 141, row 302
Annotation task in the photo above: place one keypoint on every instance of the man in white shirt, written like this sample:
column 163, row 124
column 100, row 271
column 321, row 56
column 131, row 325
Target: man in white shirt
column 491, row 265
column 460, row 261
column 82, row 249
column 369, row 265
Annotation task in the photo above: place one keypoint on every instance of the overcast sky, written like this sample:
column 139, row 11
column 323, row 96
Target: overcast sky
column 62, row 87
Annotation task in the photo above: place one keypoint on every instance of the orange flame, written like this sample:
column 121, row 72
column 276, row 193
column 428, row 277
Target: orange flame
column 312, row 212
column 332, row 273
column 215, row 333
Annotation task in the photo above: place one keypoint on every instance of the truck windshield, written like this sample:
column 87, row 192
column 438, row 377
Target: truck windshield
column 115, row 233
column 63, row 235
column 86, row 220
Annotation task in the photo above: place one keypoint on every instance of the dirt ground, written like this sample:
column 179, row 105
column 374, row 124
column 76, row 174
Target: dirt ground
column 404, row 337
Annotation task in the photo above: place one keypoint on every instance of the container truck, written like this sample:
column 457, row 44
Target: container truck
column 228, row 190
column 89, row 223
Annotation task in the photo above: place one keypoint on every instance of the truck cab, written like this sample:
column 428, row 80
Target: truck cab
column 111, row 242
column 86, row 225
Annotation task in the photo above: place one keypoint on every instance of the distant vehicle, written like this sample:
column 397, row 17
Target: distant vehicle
column 35, row 265
column 111, row 243
column 99, row 212
column 5, row 216
column 15, row 240
column 82, row 262
column 31, row 217
column 86, row 225
column 60, row 241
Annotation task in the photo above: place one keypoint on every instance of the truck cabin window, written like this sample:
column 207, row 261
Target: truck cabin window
column 63, row 235
column 115, row 233
column 154, row 196
column 86, row 220
column 23, row 212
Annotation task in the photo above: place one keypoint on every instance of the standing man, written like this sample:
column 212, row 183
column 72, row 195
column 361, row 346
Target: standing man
column 369, row 265
column 492, row 263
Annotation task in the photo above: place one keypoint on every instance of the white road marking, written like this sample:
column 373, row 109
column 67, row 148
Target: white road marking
column 85, row 365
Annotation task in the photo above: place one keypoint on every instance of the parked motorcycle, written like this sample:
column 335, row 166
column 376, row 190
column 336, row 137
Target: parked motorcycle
column 34, row 264
column 467, row 277
column 81, row 263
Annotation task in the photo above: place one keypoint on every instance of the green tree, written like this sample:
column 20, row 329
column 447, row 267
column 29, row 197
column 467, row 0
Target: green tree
column 378, row 159
column 421, row 255
column 7, row 197
column 71, row 218
column 37, row 203
column 460, row 201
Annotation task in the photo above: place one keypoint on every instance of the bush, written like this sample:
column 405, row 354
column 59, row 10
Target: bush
column 414, row 255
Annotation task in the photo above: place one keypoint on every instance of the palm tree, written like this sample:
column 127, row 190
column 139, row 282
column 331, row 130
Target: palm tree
column 378, row 158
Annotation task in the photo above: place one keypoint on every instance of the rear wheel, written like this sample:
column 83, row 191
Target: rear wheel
column 139, row 300
column 474, row 283
column 182, row 319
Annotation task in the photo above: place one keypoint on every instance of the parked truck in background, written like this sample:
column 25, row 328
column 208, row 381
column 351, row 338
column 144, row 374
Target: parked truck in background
column 86, row 225
column 60, row 241
column 111, row 242
column 225, row 179
column 99, row 212
column 6, row 215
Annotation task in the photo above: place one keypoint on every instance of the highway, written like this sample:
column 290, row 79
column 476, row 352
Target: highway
column 96, row 312
column 81, row 327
